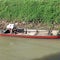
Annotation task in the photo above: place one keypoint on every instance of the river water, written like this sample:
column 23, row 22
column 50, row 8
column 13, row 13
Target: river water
column 14, row 48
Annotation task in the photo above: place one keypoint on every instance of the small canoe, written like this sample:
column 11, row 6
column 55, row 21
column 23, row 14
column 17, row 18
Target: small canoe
column 32, row 33
column 31, row 36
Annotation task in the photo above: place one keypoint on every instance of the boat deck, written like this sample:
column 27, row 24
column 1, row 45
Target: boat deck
column 40, row 34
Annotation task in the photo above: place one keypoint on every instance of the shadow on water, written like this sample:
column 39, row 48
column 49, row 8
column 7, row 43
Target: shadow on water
column 50, row 57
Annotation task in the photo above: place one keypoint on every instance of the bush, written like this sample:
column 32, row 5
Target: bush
column 44, row 11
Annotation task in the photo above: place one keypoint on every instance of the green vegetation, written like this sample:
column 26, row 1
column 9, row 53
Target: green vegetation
column 30, row 10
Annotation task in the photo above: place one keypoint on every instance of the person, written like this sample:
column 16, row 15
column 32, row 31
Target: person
column 14, row 30
column 58, row 33
column 50, row 32
column 9, row 28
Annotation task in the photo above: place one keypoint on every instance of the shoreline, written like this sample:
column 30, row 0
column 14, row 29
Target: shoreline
column 30, row 25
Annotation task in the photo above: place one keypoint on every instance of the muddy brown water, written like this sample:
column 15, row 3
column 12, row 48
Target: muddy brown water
column 14, row 48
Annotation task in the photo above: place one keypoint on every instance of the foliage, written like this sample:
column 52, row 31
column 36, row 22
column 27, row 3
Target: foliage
column 30, row 10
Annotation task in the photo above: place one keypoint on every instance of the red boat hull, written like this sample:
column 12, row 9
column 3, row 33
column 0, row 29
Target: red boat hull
column 29, row 36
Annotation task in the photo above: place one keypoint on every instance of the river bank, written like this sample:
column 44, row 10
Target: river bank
column 30, row 25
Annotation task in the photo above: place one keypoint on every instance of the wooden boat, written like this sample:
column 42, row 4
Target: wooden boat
column 39, row 34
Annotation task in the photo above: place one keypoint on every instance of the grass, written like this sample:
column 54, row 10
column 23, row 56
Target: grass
column 30, row 10
column 12, row 48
